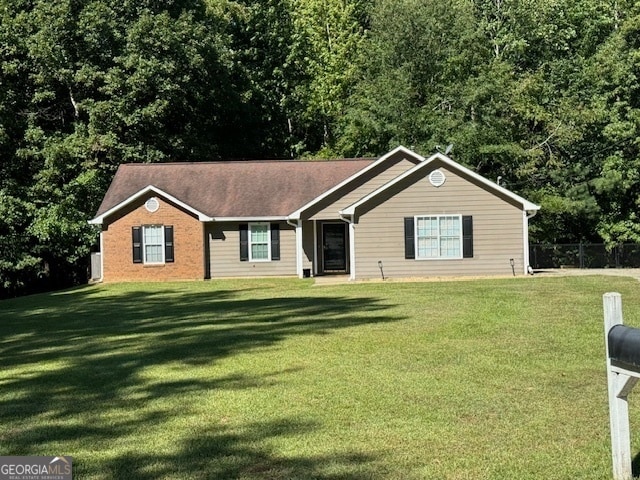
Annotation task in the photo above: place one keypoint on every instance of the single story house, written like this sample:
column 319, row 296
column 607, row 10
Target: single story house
column 414, row 216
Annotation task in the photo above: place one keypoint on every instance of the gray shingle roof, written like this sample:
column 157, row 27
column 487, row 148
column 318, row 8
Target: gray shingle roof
column 234, row 189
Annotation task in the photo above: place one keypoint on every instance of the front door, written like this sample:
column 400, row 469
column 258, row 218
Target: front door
column 334, row 247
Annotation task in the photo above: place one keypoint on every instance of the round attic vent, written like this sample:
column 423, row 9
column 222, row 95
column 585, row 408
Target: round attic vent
column 152, row 205
column 437, row 178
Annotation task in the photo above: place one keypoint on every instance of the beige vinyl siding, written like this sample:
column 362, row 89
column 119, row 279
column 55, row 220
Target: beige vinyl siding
column 393, row 167
column 497, row 230
column 224, row 252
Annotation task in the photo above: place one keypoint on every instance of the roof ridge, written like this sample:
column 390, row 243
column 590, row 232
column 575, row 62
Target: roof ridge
column 220, row 162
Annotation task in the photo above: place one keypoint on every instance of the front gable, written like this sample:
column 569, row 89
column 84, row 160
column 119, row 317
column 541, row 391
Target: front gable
column 144, row 194
column 380, row 172
column 437, row 219
column 152, row 238
column 471, row 181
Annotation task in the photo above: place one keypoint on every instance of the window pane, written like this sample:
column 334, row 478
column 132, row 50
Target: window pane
column 449, row 226
column 449, row 247
column 152, row 235
column 422, row 228
column 449, row 237
column 259, row 252
column 432, row 227
column 153, row 254
column 428, row 247
column 259, row 233
column 427, row 226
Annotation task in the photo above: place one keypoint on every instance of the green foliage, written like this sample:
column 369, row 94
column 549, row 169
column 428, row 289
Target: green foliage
column 614, row 76
column 89, row 86
column 18, row 262
column 539, row 93
column 326, row 43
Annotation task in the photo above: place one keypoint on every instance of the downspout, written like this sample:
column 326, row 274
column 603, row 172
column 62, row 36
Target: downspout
column 298, row 226
column 525, row 236
column 352, row 244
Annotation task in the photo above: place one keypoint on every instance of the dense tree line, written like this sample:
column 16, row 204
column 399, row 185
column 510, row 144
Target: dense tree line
column 541, row 93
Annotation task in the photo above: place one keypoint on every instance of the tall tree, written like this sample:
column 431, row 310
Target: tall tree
column 614, row 73
column 327, row 41
column 92, row 85
column 506, row 84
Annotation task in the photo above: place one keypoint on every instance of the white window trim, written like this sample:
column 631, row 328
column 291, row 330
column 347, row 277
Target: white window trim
column 250, row 243
column 144, row 245
column 439, row 216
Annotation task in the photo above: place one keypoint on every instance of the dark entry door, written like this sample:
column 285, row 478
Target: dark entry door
column 334, row 247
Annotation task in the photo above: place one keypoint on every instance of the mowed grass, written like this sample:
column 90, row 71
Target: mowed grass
column 280, row 379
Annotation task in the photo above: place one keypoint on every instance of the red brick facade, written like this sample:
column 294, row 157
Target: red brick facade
column 117, row 246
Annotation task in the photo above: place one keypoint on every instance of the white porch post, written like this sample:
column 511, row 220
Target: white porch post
column 315, row 248
column 299, row 249
column 352, row 249
column 525, row 238
column 525, row 241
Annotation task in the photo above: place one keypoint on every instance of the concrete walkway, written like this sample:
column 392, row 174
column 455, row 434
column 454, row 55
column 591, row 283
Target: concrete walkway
column 331, row 279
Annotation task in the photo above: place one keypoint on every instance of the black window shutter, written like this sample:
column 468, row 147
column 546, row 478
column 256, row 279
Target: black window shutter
column 467, row 236
column 136, row 234
column 409, row 238
column 168, row 243
column 275, row 241
column 244, row 242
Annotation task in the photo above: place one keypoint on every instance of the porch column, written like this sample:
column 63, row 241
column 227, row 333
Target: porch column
column 352, row 249
column 525, row 238
column 315, row 248
column 525, row 241
column 299, row 249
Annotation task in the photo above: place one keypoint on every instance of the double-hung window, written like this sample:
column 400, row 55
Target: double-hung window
column 259, row 245
column 153, row 244
column 259, row 242
column 429, row 237
column 439, row 236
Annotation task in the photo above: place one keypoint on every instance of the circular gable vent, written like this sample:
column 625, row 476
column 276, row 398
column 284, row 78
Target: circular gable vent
column 152, row 205
column 437, row 178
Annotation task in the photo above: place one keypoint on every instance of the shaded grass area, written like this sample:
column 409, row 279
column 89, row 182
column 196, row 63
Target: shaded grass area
column 277, row 379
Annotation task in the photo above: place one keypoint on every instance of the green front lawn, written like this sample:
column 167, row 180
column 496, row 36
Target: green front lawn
column 280, row 379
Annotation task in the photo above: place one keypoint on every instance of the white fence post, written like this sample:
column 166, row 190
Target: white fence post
column 620, row 384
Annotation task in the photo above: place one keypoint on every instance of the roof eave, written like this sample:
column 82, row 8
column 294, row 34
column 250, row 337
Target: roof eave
column 266, row 218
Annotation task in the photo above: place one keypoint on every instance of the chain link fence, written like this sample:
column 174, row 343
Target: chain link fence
column 584, row 255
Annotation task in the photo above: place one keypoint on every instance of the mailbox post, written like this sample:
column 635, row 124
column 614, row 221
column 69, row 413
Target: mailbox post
column 623, row 370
